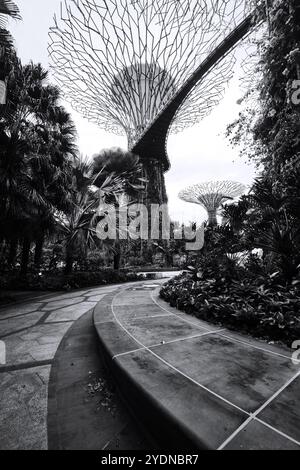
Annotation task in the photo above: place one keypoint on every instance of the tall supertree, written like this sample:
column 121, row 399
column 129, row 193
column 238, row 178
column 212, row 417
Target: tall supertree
column 120, row 62
column 211, row 195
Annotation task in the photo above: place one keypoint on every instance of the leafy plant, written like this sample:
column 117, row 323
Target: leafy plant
column 264, row 306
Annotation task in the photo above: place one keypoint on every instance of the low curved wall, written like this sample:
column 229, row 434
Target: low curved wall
column 162, row 423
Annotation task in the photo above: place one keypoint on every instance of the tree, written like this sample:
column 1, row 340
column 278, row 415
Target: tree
column 56, row 140
column 121, row 163
column 269, row 127
column 8, row 9
column 128, row 168
column 77, row 224
column 271, row 227
column 74, row 224
column 37, row 143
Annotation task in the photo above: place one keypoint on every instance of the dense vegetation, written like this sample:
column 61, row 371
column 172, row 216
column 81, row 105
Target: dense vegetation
column 247, row 274
column 258, row 291
column 50, row 195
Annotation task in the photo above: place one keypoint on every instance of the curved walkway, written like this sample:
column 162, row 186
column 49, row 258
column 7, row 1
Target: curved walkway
column 194, row 385
column 33, row 332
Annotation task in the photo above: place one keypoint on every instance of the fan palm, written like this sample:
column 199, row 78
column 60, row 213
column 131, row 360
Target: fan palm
column 37, row 145
column 128, row 167
column 235, row 214
column 7, row 9
column 272, row 226
column 77, row 224
column 121, row 163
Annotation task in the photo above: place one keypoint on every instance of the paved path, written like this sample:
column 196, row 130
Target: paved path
column 223, row 390
column 33, row 333
column 232, row 392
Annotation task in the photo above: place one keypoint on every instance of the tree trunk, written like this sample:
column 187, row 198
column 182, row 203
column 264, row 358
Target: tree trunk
column 169, row 256
column 212, row 218
column 117, row 255
column 117, row 260
column 12, row 251
column 69, row 263
column 38, row 254
column 3, row 249
column 25, row 255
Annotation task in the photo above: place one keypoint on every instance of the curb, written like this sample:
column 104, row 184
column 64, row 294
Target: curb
column 162, row 423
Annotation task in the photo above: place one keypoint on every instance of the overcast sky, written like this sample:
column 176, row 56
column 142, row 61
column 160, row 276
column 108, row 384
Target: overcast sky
column 198, row 154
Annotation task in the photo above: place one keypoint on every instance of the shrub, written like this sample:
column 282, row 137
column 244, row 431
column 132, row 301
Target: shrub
column 59, row 281
column 264, row 306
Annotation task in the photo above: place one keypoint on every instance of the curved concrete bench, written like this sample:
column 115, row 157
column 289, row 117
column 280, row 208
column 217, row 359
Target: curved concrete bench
column 192, row 385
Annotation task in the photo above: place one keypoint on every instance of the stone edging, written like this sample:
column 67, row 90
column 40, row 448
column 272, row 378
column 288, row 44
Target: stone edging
column 162, row 424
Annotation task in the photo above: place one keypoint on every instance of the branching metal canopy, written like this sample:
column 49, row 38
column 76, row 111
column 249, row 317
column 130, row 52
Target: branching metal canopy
column 212, row 194
column 120, row 62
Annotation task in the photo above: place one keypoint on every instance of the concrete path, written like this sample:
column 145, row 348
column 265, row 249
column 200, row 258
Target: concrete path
column 32, row 333
column 220, row 389
column 206, row 387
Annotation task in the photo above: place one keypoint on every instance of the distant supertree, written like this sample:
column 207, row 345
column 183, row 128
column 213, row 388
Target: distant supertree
column 211, row 195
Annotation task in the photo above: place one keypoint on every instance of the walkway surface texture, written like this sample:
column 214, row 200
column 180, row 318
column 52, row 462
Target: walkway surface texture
column 217, row 389
column 197, row 384
column 51, row 342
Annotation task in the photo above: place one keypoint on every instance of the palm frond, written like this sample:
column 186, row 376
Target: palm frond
column 8, row 7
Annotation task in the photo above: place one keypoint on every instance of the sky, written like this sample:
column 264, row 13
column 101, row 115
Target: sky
column 198, row 154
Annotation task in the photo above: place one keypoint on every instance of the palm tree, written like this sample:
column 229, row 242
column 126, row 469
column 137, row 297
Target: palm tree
column 7, row 9
column 273, row 226
column 37, row 146
column 234, row 215
column 77, row 224
column 268, row 219
column 123, row 164
column 127, row 166
column 56, row 143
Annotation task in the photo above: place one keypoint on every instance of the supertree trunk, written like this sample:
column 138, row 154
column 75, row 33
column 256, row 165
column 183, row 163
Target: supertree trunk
column 212, row 218
column 155, row 192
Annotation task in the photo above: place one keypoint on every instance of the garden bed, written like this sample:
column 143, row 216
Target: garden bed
column 59, row 281
column 269, row 310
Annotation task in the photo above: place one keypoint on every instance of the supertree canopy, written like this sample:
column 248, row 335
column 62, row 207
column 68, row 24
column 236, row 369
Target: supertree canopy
column 138, row 92
column 120, row 61
column 211, row 195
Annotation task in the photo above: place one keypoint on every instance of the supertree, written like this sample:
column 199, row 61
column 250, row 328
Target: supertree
column 211, row 195
column 119, row 62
